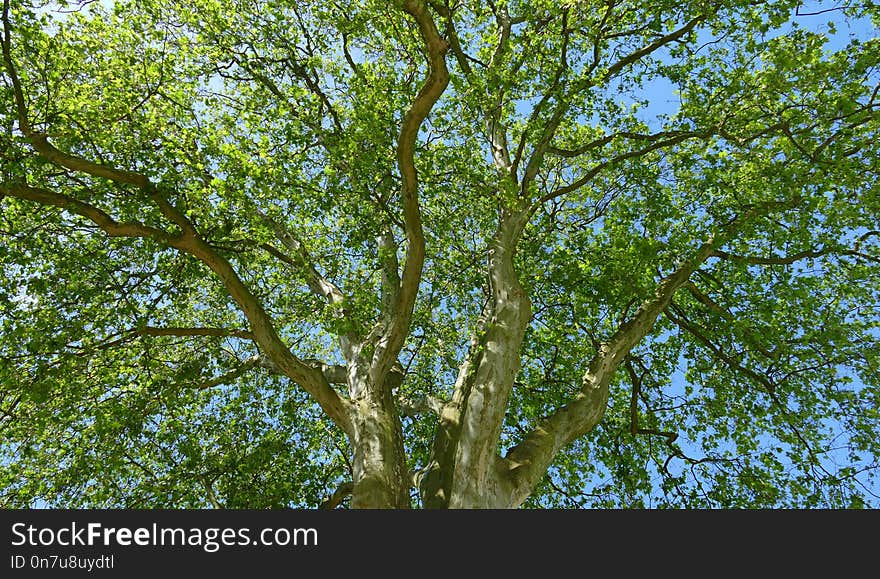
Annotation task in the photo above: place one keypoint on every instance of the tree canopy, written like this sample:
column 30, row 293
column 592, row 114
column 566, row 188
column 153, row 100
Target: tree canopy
column 568, row 253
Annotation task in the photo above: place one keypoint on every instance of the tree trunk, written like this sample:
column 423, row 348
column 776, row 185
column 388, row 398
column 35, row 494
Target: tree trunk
column 466, row 470
column 379, row 471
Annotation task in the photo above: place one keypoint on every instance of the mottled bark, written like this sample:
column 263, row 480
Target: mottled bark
column 463, row 472
column 379, row 472
column 527, row 462
column 466, row 469
column 381, row 477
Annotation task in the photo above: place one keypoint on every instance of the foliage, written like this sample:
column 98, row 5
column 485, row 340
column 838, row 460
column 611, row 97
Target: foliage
column 630, row 133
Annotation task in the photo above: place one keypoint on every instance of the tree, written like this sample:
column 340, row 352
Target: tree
column 474, row 254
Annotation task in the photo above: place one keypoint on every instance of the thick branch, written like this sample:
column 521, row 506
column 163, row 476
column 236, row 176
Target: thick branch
column 497, row 130
column 333, row 374
column 489, row 373
column 40, row 141
column 528, row 461
column 41, row 144
column 339, row 495
column 97, row 216
column 262, row 327
column 311, row 379
column 17, row 92
column 438, row 77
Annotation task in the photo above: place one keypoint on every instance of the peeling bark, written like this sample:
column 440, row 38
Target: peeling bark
column 464, row 471
column 527, row 462
column 380, row 476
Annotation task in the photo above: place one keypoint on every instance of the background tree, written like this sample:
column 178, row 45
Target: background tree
column 471, row 254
